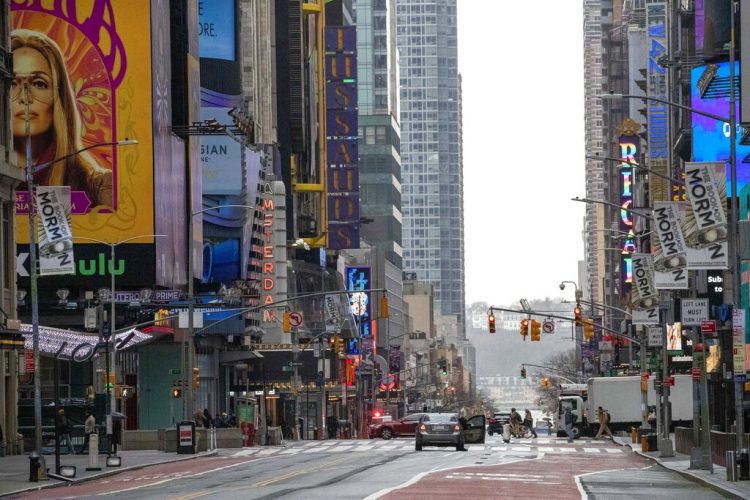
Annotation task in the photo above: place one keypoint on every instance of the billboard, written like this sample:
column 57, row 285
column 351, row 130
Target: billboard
column 216, row 38
column 342, row 187
column 359, row 278
column 88, row 66
column 711, row 137
column 657, row 38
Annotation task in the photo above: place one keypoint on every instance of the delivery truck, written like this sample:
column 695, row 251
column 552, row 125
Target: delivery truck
column 621, row 397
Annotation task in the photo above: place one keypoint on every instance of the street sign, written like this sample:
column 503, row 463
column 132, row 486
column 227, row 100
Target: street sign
column 694, row 311
column 655, row 337
column 740, row 377
column 548, row 326
column 696, row 373
column 174, row 371
column 669, row 381
column 708, row 326
column 28, row 361
column 294, row 363
column 287, row 369
column 295, row 318
column 644, row 377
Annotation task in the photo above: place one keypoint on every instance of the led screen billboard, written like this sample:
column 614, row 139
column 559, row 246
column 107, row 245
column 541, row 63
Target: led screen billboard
column 88, row 67
column 711, row 137
column 216, row 37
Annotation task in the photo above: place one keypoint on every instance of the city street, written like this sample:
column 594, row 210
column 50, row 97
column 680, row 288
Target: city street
column 538, row 468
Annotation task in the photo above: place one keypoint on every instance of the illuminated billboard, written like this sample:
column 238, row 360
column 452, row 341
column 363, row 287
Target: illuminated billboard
column 629, row 147
column 88, row 69
column 711, row 137
column 216, row 37
column 359, row 278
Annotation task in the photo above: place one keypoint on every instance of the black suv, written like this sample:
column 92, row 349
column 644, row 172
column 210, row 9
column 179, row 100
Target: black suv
column 496, row 422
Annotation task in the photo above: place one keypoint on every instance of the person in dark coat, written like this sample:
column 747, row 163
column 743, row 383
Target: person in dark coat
column 114, row 439
column 62, row 426
column 332, row 424
column 208, row 421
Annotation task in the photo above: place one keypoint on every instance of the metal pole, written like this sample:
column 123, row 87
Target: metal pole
column 187, row 408
column 665, row 445
column 296, row 385
column 33, row 279
column 644, row 394
column 739, row 388
column 112, row 363
column 707, row 461
column 696, row 452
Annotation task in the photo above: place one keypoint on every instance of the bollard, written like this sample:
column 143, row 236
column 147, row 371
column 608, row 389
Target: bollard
column 644, row 443
column 94, row 452
column 731, row 465
column 633, row 435
column 34, row 467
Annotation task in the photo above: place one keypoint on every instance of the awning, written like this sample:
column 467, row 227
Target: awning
column 231, row 357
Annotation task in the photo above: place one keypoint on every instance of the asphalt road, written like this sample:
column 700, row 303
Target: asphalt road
column 540, row 468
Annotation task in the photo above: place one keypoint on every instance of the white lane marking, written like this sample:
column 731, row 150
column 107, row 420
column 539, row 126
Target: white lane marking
column 547, row 449
column 390, row 447
column 521, row 448
column 179, row 476
column 291, row 451
column 363, row 448
column 614, row 450
column 567, row 450
column 592, row 450
column 340, row 448
column 385, row 491
column 268, row 451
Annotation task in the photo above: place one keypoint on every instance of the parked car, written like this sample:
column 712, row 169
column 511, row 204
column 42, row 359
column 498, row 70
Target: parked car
column 390, row 429
column 444, row 429
column 496, row 422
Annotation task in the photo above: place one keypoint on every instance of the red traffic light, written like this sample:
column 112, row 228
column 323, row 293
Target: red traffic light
column 491, row 322
column 578, row 313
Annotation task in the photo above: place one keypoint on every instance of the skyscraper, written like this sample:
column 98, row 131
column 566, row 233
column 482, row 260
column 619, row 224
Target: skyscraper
column 432, row 171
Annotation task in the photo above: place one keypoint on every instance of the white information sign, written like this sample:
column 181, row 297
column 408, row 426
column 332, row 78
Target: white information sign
column 694, row 311
column 655, row 337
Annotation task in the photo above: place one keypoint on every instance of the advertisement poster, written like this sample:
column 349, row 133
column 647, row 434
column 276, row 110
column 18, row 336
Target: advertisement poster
column 53, row 230
column 644, row 296
column 86, row 69
column 669, row 248
column 674, row 338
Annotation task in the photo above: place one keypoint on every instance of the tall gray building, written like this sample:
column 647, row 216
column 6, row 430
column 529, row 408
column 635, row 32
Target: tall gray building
column 432, row 170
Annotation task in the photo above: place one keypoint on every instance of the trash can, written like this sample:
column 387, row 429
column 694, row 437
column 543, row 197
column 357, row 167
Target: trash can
column 743, row 463
column 731, row 465
column 186, row 437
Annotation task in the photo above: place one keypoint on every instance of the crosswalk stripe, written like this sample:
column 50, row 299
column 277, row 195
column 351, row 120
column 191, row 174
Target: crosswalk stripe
column 614, row 450
column 591, row 450
column 546, row 449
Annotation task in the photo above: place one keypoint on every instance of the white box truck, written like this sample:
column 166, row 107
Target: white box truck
column 621, row 396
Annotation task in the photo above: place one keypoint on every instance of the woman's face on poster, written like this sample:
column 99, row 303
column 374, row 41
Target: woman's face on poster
column 30, row 66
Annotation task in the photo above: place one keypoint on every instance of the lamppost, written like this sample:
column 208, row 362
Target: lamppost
column 735, row 265
column 111, row 336
column 187, row 345
column 30, row 170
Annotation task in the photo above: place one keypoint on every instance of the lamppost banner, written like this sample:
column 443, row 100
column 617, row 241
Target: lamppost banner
column 53, row 230
column 645, row 298
column 670, row 250
column 704, row 224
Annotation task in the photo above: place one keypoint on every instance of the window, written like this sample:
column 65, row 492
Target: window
column 6, row 240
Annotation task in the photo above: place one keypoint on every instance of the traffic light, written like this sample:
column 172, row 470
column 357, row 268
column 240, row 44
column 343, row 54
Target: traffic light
column 523, row 372
column 384, row 307
column 524, row 328
column 588, row 328
column 444, row 367
column 536, row 330
column 491, row 322
column 109, row 379
column 577, row 312
column 176, row 392
column 339, row 347
column 286, row 323
column 196, row 377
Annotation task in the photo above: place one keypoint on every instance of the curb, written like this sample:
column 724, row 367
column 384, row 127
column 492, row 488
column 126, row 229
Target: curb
column 691, row 476
column 107, row 473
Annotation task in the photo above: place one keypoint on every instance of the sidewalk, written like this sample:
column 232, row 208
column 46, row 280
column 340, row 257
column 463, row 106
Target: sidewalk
column 14, row 470
column 681, row 464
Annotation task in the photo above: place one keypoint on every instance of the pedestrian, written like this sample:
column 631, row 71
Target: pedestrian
column 199, row 419
column 463, row 423
column 114, row 439
column 651, row 417
column 62, row 427
column 331, row 425
column 570, row 420
column 208, row 421
column 528, row 422
column 603, row 416
column 89, row 428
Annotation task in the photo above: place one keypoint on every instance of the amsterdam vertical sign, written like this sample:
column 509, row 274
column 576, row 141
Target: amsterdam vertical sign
column 342, row 169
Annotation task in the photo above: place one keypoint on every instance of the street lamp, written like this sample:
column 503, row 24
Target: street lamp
column 731, row 120
column 187, row 357
column 111, row 336
column 30, row 170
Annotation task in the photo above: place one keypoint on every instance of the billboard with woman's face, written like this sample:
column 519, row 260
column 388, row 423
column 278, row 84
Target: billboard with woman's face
column 82, row 81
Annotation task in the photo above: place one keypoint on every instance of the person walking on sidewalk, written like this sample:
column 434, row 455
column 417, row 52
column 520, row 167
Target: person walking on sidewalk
column 62, row 426
column 570, row 420
column 89, row 428
column 528, row 422
column 603, row 421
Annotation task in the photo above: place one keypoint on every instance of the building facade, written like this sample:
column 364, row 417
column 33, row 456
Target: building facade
column 432, row 173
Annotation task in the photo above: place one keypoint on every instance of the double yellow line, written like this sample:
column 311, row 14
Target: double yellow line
column 265, row 482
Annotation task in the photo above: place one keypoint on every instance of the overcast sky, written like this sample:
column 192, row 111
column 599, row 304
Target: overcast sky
column 523, row 138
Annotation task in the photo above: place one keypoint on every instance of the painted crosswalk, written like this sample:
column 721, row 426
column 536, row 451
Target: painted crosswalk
column 520, row 446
